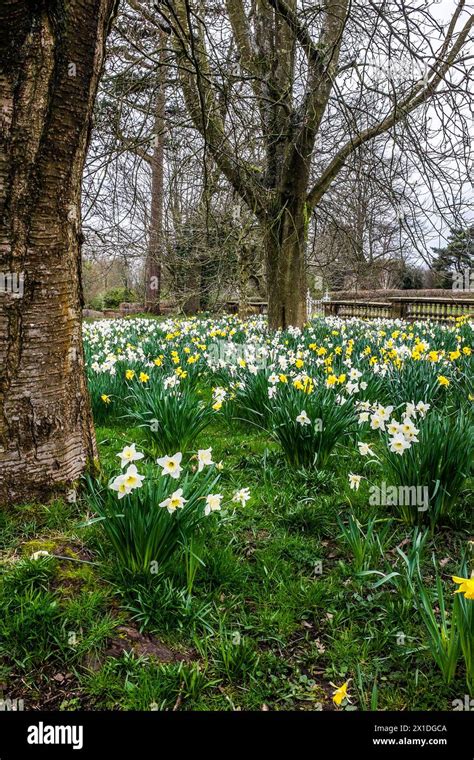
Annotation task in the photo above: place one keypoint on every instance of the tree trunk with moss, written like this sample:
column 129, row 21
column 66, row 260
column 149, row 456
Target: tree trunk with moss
column 51, row 57
column 285, row 239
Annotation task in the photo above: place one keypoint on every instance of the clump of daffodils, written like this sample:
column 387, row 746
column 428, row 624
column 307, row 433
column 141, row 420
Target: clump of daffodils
column 130, row 480
column 402, row 432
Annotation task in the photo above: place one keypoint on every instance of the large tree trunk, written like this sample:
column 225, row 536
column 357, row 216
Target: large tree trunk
column 285, row 257
column 51, row 56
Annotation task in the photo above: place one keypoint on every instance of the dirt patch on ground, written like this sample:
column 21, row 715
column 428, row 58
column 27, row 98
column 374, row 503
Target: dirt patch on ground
column 129, row 639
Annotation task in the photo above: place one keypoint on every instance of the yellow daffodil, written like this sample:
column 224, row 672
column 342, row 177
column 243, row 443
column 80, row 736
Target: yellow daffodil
column 466, row 586
column 340, row 694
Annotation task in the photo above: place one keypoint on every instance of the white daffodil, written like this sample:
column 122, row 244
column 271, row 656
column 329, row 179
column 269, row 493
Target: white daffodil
column 174, row 502
column 354, row 481
column 118, row 484
column 303, row 418
column 363, row 417
column 242, row 496
column 408, row 429
column 399, row 444
column 129, row 454
column 393, row 427
column 213, row 503
column 204, row 458
column 127, row 482
column 384, row 412
column 171, row 465
column 364, row 449
column 354, row 374
column 219, row 394
column 132, row 478
column 377, row 422
column 352, row 388
column 422, row 408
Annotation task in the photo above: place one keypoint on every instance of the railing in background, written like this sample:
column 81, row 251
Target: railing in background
column 361, row 309
column 407, row 308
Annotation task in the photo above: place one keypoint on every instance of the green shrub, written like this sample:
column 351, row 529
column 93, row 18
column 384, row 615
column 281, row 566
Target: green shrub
column 115, row 296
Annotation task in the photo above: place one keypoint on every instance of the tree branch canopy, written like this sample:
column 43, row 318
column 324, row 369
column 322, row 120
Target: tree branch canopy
column 421, row 92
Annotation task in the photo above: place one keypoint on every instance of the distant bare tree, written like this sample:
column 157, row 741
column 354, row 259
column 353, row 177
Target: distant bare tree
column 305, row 86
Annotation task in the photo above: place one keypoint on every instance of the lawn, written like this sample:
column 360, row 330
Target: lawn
column 318, row 592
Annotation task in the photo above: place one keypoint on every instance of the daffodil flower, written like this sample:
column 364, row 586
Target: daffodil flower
column 354, row 481
column 204, row 458
column 242, row 496
column 466, row 586
column 129, row 454
column 398, row 444
column 213, row 503
column 171, row 465
column 340, row 694
column 127, row 482
column 174, row 502
column 303, row 418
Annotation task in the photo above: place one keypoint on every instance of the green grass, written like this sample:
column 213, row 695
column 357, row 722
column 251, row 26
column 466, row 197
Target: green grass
column 279, row 609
